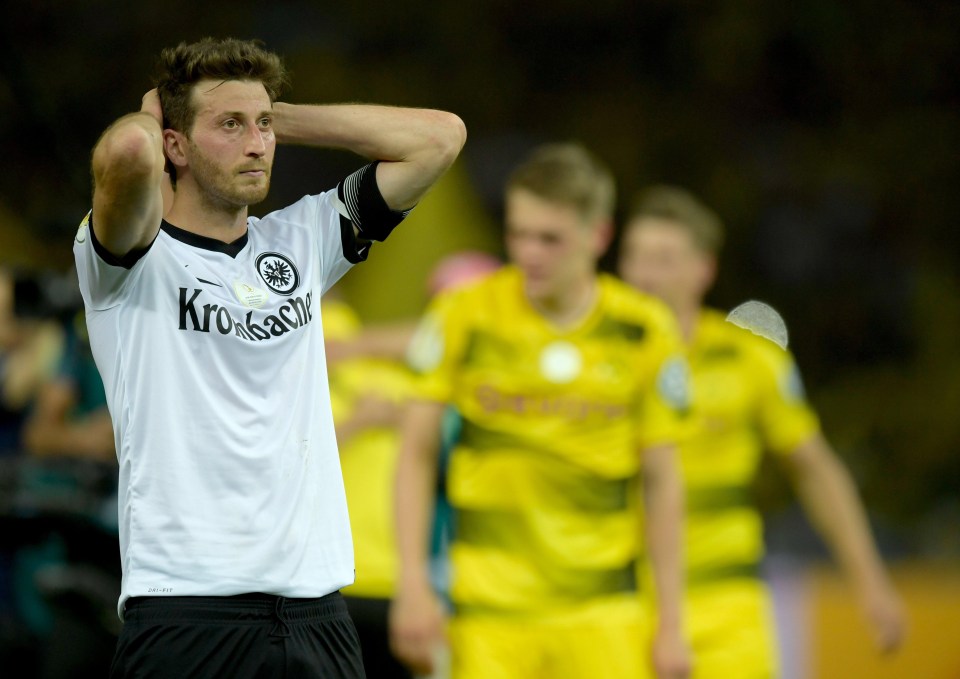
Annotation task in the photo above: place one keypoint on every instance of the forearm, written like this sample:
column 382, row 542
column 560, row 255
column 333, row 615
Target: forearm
column 830, row 498
column 65, row 439
column 128, row 164
column 415, row 490
column 416, row 145
column 663, row 496
column 388, row 341
column 136, row 142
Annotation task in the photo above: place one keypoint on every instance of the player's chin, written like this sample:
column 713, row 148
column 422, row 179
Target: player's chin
column 251, row 195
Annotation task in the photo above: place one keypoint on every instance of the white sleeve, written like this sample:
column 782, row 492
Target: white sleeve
column 337, row 247
column 103, row 283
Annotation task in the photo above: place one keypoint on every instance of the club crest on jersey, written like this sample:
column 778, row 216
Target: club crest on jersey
column 673, row 383
column 278, row 272
column 560, row 362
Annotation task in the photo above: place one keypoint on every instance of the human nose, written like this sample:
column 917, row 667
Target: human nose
column 256, row 144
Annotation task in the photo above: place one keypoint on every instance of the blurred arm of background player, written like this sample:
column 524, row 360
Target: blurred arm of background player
column 370, row 412
column 417, row 616
column 830, row 499
column 51, row 431
column 663, row 499
column 388, row 341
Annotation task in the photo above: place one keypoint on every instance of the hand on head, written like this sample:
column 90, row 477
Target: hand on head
column 151, row 104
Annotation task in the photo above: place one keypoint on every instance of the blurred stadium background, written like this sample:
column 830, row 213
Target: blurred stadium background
column 826, row 134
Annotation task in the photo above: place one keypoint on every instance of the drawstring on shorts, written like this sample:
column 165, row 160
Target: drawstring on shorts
column 280, row 628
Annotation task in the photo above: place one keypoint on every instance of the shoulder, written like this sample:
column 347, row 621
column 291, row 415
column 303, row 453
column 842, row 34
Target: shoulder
column 340, row 321
column 300, row 213
column 484, row 295
column 624, row 304
column 763, row 354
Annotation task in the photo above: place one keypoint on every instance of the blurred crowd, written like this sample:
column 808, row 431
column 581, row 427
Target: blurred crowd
column 59, row 571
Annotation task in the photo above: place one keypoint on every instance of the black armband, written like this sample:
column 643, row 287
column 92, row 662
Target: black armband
column 362, row 203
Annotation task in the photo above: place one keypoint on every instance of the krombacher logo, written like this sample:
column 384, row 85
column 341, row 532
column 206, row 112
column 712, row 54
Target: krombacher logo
column 208, row 317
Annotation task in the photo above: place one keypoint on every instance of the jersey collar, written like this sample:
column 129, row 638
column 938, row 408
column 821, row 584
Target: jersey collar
column 204, row 242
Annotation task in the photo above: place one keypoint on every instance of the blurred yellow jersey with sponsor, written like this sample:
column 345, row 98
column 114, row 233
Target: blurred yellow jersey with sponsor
column 543, row 478
column 369, row 457
column 749, row 399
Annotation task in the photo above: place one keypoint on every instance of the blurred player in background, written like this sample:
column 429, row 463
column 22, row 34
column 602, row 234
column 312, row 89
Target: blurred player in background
column 571, row 387
column 369, row 384
column 367, row 395
column 748, row 399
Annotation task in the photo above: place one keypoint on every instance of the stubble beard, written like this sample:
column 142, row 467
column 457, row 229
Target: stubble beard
column 223, row 188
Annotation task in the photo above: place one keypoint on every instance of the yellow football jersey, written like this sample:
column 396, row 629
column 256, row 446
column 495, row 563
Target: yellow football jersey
column 368, row 459
column 748, row 399
column 543, row 476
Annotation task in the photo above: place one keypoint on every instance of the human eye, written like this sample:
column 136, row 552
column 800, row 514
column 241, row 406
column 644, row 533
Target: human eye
column 230, row 124
column 265, row 123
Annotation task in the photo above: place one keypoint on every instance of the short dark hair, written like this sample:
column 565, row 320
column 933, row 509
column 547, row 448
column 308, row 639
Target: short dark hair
column 683, row 208
column 181, row 67
column 568, row 174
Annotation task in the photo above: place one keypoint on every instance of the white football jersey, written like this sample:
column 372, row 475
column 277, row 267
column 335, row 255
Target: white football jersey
column 213, row 361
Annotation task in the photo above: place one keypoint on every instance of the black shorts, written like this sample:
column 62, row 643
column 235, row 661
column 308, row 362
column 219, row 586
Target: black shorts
column 249, row 636
column 370, row 616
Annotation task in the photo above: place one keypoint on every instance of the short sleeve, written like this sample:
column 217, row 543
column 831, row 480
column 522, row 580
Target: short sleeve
column 785, row 419
column 436, row 350
column 664, row 407
column 103, row 284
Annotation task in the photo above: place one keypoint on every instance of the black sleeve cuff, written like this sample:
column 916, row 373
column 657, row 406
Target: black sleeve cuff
column 126, row 261
column 364, row 204
column 355, row 250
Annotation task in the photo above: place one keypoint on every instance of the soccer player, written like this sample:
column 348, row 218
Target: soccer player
column 748, row 399
column 367, row 396
column 369, row 385
column 570, row 387
column 205, row 325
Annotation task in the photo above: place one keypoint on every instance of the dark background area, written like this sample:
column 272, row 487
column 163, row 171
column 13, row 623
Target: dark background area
column 826, row 135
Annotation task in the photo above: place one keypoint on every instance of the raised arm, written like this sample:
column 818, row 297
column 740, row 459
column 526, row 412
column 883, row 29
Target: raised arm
column 831, row 500
column 415, row 146
column 663, row 498
column 416, row 615
column 128, row 176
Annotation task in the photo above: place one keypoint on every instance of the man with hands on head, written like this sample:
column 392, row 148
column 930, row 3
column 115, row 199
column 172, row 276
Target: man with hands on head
column 205, row 325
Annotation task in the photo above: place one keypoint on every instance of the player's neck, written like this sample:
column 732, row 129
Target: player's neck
column 688, row 317
column 195, row 212
column 568, row 307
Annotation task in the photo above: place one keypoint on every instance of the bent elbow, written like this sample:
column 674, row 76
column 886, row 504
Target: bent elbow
column 457, row 131
column 449, row 136
column 127, row 151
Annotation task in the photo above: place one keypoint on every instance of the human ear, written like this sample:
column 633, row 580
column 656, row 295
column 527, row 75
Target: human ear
column 174, row 147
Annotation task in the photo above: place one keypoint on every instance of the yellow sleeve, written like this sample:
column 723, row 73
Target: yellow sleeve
column 664, row 416
column 784, row 417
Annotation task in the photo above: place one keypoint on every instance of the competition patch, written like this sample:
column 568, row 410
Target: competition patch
column 560, row 362
column 673, row 383
column 278, row 272
column 249, row 295
column 83, row 228
column 426, row 346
